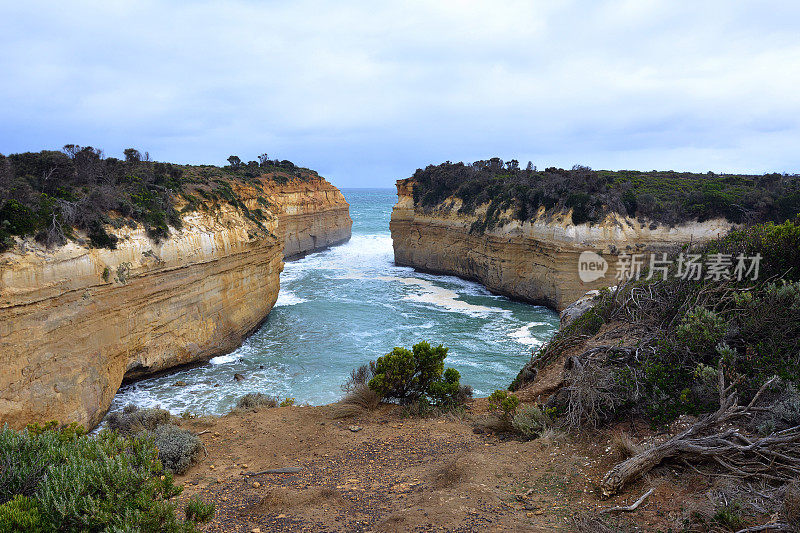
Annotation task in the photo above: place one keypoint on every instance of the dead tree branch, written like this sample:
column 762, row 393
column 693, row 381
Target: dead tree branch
column 774, row 458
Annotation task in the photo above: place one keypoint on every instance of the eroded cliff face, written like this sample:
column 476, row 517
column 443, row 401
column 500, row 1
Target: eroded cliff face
column 312, row 215
column 535, row 260
column 74, row 321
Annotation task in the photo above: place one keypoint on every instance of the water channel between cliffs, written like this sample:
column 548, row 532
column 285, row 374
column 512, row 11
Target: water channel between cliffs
column 341, row 307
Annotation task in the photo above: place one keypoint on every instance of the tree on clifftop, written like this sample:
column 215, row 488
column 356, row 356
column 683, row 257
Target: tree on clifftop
column 235, row 161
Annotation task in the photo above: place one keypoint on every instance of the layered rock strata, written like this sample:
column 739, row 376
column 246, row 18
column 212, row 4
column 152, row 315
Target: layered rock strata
column 536, row 260
column 76, row 321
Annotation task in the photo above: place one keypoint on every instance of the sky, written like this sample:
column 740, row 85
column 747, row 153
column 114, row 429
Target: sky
column 367, row 92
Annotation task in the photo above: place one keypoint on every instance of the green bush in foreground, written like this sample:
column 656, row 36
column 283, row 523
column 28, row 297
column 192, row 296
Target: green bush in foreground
column 63, row 480
column 418, row 375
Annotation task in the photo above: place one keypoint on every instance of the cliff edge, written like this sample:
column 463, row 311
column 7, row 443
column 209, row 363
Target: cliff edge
column 535, row 259
column 77, row 320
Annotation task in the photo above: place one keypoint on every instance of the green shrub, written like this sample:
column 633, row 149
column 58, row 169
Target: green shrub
column 504, row 402
column 415, row 375
column 700, row 331
column 63, row 480
column 198, row 511
column 20, row 514
column 406, row 375
column 177, row 448
column 448, row 391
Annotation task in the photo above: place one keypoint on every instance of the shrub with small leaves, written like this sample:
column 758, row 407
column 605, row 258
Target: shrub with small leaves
column 532, row 420
column 63, row 480
column 177, row 448
column 448, row 391
column 418, row 376
column 405, row 375
column 199, row 511
column 504, row 402
column 700, row 331
column 133, row 420
column 254, row 400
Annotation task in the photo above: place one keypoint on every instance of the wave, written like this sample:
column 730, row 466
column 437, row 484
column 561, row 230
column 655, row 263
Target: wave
column 287, row 297
column 524, row 335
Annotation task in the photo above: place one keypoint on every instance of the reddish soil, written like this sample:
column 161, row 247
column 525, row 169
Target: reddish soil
column 398, row 473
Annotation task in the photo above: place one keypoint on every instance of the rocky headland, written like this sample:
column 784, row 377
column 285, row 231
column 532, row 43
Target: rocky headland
column 75, row 320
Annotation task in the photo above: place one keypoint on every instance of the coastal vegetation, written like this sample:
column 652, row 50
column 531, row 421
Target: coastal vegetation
column 724, row 352
column 50, row 195
column 669, row 197
column 415, row 378
column 60, row 479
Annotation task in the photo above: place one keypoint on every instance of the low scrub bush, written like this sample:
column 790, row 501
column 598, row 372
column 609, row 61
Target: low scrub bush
column 255, row 400
column 532, row 420
column 177, row 448
column 63, row 480
column 680, row 334
column 133, row 420
column 504, row 403
column 197, row 510
column 418, row 376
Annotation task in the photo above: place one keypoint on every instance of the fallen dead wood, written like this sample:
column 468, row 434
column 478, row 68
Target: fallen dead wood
column 628, row 508
column 774, row 458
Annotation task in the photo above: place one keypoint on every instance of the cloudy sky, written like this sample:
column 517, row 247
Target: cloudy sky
column 366, row 92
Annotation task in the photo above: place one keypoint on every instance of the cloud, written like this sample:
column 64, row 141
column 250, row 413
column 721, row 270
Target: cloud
column 366, row 92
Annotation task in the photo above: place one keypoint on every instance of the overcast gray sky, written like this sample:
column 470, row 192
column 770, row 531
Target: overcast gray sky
column 366, row 92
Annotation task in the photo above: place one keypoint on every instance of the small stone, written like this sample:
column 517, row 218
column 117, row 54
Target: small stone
column 238, row 377
column 256, row 484
column 255, row 530
column 243, row 465
column 281, row 515
column 354, row 428
column 179, row 384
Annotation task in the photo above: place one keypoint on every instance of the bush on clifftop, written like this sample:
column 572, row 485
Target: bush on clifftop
column 668, row 197
column 418, row 375
column 63, row 480
column 49, row 194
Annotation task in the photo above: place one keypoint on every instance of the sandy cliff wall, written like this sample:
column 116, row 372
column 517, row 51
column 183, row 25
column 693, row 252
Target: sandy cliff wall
column 75, row 321
column 537, row 260
column 313, row 215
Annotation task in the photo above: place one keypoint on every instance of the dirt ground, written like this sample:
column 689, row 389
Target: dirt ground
column 384, row 471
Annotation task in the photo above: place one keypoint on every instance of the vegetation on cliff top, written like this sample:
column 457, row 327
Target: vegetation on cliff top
column 685, row 331
column 49, row 194
column 668, row 197
column 59, row 479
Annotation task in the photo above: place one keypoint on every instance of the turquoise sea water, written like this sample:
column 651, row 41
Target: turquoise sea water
column 344, row 306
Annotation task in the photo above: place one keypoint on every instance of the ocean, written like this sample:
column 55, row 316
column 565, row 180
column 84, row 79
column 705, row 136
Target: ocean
column 342, row 307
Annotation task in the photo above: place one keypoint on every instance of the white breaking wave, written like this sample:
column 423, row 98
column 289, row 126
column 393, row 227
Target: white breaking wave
column 524, row 335
column 287, row 297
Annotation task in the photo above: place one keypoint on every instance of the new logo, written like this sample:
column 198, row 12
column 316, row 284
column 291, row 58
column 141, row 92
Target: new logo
column 591, row 266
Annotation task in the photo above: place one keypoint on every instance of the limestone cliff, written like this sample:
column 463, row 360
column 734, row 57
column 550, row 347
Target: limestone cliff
column 75, row 321
column 535, row 260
